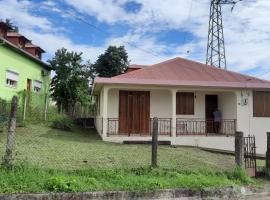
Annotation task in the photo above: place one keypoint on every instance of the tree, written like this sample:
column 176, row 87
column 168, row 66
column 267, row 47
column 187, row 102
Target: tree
column 11, row 26
column 71, row 82
column 113, row 62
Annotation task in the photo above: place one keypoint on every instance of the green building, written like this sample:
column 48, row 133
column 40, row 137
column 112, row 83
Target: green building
column 21, row 67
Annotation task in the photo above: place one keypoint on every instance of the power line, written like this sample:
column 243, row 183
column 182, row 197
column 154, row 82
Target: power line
column 103, row 32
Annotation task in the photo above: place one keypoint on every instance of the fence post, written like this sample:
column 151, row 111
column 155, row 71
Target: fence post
column 46, row 107
column 24, row 106
column 239, row 148
column 268, row 155
column 7, row 160
column 154, row 142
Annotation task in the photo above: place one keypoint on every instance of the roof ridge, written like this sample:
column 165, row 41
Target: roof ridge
column 224, row 70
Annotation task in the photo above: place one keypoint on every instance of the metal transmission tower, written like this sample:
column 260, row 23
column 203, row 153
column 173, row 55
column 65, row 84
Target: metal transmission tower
column 215, row 47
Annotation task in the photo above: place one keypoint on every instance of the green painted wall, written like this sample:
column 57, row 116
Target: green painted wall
column 27, row 69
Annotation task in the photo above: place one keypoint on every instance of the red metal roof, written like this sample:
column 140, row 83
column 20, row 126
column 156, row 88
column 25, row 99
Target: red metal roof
column 15, row 34
column 183, row 72
column 135, row 66
column 30, row 45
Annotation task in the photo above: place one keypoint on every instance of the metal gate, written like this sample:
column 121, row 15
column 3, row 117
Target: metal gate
column 250, row 155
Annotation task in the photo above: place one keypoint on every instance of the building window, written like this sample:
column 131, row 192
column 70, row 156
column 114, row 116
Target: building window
column 185, row 103
column 261, row 102
column 37, row 86
column 12, row 78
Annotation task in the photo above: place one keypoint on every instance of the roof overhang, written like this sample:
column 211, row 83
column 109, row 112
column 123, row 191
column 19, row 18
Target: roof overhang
column 99, row 82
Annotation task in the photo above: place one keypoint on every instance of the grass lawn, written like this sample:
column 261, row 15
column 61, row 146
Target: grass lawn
column 52, row 160
column 42, row 146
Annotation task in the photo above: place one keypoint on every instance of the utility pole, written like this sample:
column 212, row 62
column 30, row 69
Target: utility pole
column 215, row 55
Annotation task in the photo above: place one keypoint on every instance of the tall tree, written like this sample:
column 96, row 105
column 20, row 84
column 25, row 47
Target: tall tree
column 71, row 82
column 113, row 62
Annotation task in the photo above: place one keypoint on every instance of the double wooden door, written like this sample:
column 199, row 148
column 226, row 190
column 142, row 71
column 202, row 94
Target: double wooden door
column 134, row 112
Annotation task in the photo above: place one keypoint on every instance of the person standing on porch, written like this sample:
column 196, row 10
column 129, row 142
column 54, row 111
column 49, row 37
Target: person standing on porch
column 217, row 120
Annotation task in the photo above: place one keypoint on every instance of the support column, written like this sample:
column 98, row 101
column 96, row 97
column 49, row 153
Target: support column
column 105, row 111
column 174, row 91
column 268, row 156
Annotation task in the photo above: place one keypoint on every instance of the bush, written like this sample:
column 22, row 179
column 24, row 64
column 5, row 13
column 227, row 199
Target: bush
column 240, row 175
column 61, row 184
column 62, row 122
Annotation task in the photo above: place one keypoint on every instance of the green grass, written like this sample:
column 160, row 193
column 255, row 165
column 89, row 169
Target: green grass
column 49, row 148
column 33, row 180
column 51, row 160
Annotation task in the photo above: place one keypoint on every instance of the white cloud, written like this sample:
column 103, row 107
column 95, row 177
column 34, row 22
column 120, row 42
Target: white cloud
column 247, row 31
column 19, row 13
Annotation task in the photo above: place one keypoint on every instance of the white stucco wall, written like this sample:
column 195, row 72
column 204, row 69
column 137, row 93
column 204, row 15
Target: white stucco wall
column 160, row 103
column 227, row 105
column 98, row 119
column 257, row 126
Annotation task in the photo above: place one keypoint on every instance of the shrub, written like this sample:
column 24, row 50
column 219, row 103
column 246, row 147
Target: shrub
column 61, row 184
column 62, row 122
column 240, row 175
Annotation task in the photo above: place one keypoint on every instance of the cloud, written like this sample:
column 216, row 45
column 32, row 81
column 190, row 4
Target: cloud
column 246, row 29
column 19, row 13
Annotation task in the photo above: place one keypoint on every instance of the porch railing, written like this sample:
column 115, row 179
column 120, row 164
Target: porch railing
column 164, row 128
column 205, row 127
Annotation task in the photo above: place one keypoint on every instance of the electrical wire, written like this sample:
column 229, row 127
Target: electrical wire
column 104, row 33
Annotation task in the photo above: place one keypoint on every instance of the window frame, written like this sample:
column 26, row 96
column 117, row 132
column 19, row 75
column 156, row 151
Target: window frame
column 189, row 100
column 260, row 102
column 37, row 89
column 9, row 80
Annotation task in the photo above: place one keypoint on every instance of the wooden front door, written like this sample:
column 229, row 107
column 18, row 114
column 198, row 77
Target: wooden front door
column 211, row 103
column 29, row 84
column 134, row 112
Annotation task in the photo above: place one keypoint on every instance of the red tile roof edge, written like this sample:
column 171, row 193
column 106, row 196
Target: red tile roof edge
column 215, row 84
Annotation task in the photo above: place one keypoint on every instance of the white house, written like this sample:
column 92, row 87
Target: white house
column 183, row 95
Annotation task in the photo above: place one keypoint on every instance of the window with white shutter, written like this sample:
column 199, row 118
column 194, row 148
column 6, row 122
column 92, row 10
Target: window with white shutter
column 12, row 78
column 37, row 86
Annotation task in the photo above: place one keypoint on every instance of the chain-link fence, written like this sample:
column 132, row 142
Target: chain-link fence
column 37, row 144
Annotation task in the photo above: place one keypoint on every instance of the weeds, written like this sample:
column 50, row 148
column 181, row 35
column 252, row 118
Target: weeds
column 29, row 179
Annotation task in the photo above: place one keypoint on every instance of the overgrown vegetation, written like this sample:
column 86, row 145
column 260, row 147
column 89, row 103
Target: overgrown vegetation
column 28, row 179
column 62, row 122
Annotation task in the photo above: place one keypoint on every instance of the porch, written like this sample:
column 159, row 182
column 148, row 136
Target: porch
column 128, row 112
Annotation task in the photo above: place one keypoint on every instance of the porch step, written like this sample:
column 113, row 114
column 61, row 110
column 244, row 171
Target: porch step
column 146, row 142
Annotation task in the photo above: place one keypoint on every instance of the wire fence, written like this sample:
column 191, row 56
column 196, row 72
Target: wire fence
column 37, row 144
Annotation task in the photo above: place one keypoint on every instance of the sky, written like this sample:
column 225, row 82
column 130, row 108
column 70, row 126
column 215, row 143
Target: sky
column 151, row 30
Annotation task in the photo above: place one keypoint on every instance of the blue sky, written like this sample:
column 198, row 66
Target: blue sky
column 151, row 30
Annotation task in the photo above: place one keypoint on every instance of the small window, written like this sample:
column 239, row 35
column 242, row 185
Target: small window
column 185, row 103
column 261, row 104
column 12, row 78
column 37, row 86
